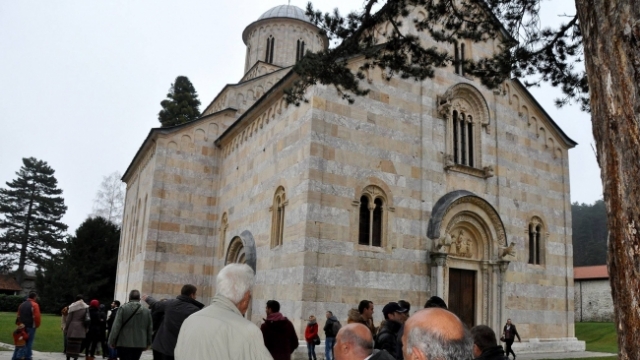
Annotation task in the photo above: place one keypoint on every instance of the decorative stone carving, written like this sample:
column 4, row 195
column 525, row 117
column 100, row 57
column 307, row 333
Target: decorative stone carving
column 439, row 244
column 488, row 209
column 508, row 251
column 462, row 245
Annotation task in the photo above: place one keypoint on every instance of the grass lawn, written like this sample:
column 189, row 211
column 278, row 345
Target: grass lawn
column 48, row 335
column 600, row 337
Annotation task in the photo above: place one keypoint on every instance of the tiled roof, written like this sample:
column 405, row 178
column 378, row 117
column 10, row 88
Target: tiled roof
column 8, row 282
column 590, row 272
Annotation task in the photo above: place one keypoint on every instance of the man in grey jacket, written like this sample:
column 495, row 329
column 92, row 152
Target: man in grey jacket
column 220, row 330
column 132, row 329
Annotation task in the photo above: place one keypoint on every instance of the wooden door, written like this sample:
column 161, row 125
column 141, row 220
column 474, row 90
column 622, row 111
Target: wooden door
column 462, row 295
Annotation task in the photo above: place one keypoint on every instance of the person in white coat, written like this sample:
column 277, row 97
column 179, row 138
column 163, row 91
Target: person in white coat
column 220, row 331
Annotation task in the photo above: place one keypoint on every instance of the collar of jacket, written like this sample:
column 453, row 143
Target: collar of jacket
column 393, row 326
column 492, row 352
column 224, row 303
column 78, row 305
column 190, row 300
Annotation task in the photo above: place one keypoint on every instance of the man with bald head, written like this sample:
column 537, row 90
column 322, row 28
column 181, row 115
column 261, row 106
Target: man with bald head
column 354, row 342
column 436, row 334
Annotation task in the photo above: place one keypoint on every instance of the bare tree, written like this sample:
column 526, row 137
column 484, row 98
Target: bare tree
column 109, row 201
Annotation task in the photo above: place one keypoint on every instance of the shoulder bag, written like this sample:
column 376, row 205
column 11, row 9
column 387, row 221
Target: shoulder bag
column 115, row 341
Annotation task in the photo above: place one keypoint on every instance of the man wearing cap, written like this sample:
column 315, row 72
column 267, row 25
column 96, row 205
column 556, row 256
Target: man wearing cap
column 394, row 316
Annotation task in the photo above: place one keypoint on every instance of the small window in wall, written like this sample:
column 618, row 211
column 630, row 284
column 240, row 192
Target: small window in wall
column 299, row 50
column 536, row 241
column 277, row 221
column 269, row 54
column 371, row 224
column 459, row 57
column 463, row 134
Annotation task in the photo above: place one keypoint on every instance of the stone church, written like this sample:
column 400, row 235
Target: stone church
column 439, row 187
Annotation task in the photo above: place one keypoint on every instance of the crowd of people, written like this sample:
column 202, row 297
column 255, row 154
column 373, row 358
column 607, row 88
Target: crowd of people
column 184, row 329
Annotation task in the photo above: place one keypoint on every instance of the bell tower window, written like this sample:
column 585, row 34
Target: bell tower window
column 270, row 45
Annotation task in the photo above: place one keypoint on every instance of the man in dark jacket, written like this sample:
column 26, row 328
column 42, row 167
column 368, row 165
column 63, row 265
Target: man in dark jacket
column 331, row 328
column 405, row 305
column 175, row 312
column 280, row 337
column 387, row 338
column 485, row 345
column 29, row 316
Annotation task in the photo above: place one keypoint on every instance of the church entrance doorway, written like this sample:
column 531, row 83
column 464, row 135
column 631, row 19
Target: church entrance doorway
column 462, row 295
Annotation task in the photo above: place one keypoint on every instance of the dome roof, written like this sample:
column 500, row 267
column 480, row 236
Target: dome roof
column 285, row 11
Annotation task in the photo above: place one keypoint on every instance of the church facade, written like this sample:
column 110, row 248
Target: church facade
column 439, row 187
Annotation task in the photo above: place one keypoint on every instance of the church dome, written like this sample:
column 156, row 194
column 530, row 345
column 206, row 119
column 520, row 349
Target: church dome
column 285, row 11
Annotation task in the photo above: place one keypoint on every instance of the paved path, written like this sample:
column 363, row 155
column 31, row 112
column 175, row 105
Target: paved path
column 147, row 355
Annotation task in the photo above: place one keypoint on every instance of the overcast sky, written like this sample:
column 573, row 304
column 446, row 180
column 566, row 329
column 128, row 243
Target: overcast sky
column 81, row 82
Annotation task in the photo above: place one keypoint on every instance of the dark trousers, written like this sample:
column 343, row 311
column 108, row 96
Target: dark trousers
column 127, row 353
column 509, row 342
column 91, row 347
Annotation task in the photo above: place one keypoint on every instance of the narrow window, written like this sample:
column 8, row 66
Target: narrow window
column 463, row 142
column 457, row 59
column 269, row 54
column 532, row 245
column 365, row 221
column 538, row 235
column 470, row 141
column 456, row 158
column 298, row 51
column 461, row 60
column 277, row 220
column 376, row 236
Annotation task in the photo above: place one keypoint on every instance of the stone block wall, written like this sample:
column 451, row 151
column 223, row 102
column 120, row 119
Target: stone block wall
column 593, row 301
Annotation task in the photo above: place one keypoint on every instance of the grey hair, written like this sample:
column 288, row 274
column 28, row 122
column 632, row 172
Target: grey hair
column 350, row 337
column 134, row 295
column 435, row 346
column 233, row 281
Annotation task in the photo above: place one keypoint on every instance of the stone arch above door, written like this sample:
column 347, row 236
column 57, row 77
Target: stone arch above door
column 242, row 249
column 463, row 220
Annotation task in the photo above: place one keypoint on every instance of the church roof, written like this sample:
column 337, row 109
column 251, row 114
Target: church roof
column 285, row 11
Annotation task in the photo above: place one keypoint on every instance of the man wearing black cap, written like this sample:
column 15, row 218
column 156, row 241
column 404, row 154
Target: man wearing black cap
column 395, row 316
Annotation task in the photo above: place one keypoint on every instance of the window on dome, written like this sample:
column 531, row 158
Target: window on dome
column 270, row 45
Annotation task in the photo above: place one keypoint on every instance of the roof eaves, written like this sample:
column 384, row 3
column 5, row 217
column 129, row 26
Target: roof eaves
column 568, row 141
column 253, row 107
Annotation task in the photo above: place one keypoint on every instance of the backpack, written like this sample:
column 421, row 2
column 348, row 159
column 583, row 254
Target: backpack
column 335, row 327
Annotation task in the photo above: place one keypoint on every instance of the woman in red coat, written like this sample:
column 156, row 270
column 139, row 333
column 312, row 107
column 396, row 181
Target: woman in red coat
column 310, row 335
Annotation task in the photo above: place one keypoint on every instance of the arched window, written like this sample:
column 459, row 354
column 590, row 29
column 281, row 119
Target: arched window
column 536, row 246
column 371, row 224
column 277, row 222
column 270, row 45
column 299, row 50
column 463, row 133
column 224, row 224
column 458, row 58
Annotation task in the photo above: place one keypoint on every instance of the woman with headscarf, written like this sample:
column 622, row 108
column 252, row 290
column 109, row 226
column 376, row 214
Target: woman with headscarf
column 93, row 336
column 310, row 335
column 75, row 329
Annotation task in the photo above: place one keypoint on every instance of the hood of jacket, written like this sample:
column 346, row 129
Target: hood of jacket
column 277, row 316
column 333, row 318
column 354, row 316
column 78, row 305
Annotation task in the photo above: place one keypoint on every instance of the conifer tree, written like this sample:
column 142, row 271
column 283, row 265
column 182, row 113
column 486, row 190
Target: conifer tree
column 87, row 265
column 31, row 208
column 181, row 105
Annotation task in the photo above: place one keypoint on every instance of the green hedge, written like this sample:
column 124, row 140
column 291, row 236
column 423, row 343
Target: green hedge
column 10, row 303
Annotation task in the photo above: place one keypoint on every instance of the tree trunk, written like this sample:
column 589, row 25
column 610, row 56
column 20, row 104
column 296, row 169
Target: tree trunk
column 25, row 243
column 611, row 36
